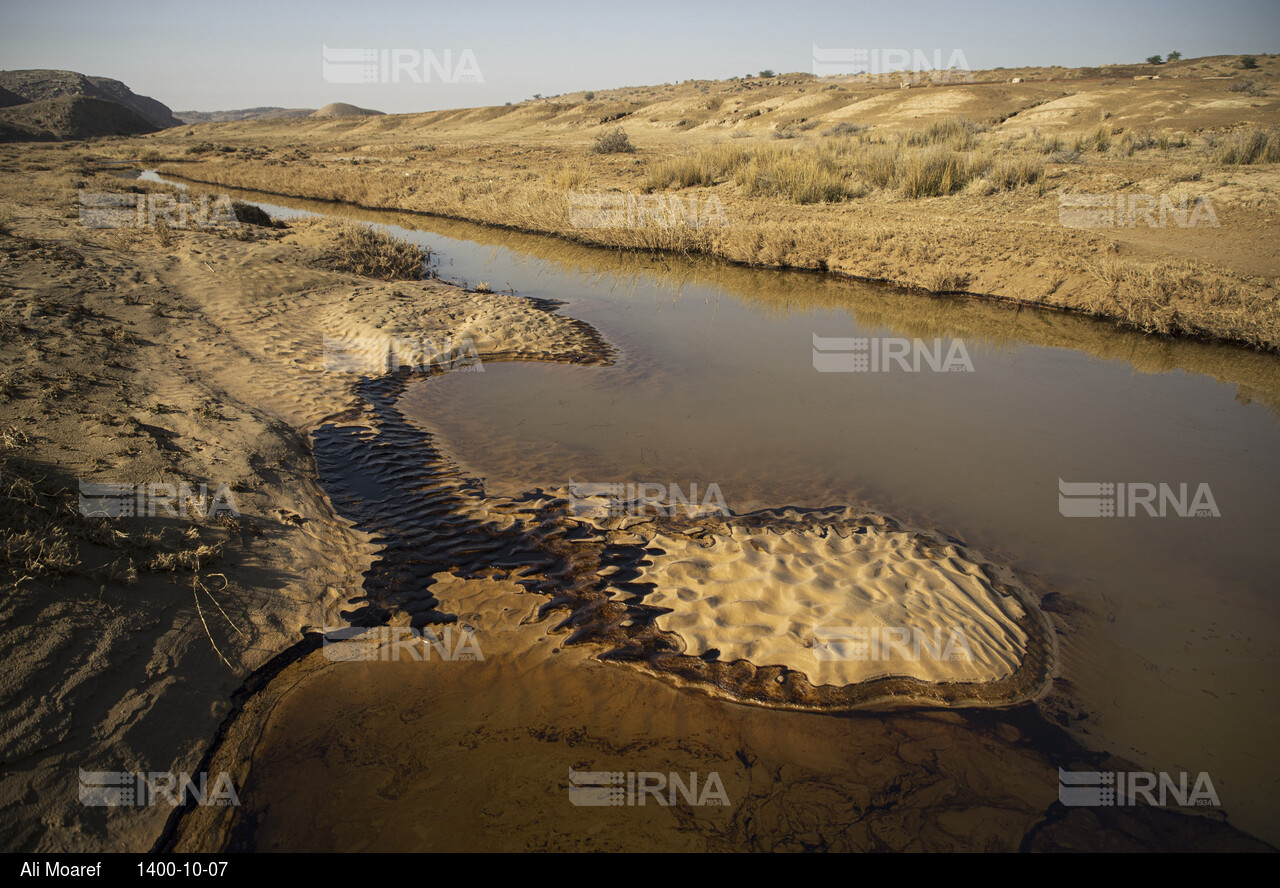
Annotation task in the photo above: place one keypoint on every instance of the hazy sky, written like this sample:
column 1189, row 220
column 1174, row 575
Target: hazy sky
column 223, row 54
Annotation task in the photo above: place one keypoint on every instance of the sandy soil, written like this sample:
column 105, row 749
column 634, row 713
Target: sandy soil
column 141, row 357
column 167, row 355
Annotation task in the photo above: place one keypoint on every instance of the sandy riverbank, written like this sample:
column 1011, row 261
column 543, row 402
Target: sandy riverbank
column 148, row 355
column 950, row 186
column 190, row 356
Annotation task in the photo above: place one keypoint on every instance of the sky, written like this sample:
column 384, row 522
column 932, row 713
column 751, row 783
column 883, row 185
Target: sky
column 213, row 55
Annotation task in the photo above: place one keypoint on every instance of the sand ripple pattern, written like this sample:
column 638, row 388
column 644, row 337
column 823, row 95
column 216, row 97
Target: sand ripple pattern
column 839, row 605
column 832, row 609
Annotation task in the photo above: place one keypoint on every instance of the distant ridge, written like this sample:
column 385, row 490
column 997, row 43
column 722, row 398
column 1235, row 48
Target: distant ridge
column 342, row 109
column 267, row 113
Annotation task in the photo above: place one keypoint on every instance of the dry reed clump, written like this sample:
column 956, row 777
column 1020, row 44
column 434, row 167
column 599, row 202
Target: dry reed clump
column 1009, row 173
column 1179, row 298
column 1135, row 141
column 704, row 168
column 570, row 177
column 1250, row 146
column 803, row 176
column 935, row 161
column 937, row 171
column 956, row 133
column 376, row 254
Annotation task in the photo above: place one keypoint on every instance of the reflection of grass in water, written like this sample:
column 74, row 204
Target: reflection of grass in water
column 1256, row 375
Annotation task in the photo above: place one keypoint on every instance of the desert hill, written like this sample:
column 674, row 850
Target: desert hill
column 342, row 109
column 40, row 84
column 69, row 117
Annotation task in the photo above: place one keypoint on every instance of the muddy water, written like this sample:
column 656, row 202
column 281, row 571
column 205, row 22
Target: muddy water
column 1168, row 626
column 1176, row 659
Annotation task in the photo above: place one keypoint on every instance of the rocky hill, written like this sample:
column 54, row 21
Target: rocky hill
column 69, row 117
column 41, row 84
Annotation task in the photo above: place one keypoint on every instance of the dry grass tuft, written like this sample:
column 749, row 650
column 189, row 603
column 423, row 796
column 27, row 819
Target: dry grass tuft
column 376, row 254
column 1010, row 173
column 1253, row 145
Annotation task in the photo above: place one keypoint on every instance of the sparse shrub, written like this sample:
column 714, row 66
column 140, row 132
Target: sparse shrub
column 251, row 214
column 845, row 128
column 1067, row 155
column 1102, row 139
column 589, row 96
column 1248, row 87
column 1135, row 141
column 164, row 235
column 615, row 142
column 376, row 254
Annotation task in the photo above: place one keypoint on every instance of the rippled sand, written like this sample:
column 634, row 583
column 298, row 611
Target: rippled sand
column 839, row 606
